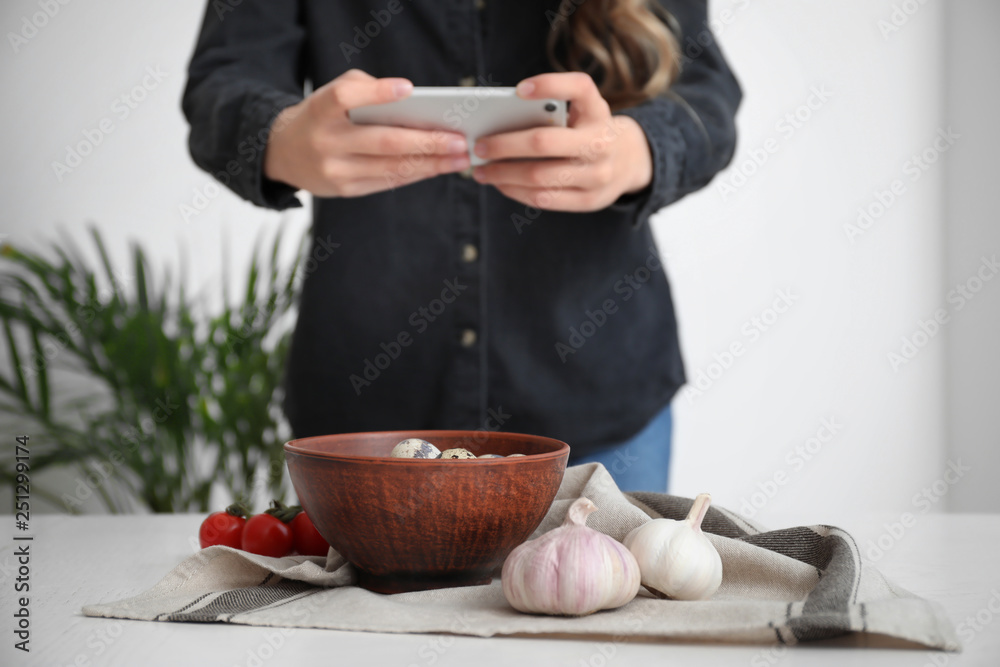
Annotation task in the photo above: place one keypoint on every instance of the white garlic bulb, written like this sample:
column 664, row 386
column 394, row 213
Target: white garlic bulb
column 457, row 453
column 676, row 559
column 572, row 570
column 415, row 448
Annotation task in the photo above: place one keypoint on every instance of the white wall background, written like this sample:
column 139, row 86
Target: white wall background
column 826, row 358
column 781, row 229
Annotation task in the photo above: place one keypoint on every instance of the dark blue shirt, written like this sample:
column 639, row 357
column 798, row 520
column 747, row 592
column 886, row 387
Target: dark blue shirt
column 444, row 304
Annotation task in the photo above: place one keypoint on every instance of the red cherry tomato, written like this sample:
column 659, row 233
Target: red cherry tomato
column 222, row 528
column 308, row 541
column 267, row 535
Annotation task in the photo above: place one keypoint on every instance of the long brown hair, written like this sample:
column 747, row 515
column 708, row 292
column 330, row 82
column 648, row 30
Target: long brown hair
column 625, row 45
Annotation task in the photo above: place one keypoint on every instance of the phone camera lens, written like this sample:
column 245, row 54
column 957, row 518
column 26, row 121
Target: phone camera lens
column 550, row 107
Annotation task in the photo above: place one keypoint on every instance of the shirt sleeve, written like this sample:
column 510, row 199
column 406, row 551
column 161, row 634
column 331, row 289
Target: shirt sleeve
column 691, row 128
column 246, row 68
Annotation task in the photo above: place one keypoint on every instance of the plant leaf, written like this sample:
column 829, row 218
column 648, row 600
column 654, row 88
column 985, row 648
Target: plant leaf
column 15, row 358
column 43, row 375
column 106, row 262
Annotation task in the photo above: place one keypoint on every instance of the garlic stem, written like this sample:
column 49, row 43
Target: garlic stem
column 579, row 511
column 698, row 511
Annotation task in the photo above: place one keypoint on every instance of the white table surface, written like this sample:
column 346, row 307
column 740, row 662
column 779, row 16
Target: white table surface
column 953, row 559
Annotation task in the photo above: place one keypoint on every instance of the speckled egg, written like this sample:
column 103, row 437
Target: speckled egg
column 457, row 453
column 415, row 448
column 510, row 456
column 491, row 456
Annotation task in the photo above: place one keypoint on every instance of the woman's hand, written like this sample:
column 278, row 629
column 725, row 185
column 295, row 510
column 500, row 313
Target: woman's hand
column 315, row 147
column 587, row 165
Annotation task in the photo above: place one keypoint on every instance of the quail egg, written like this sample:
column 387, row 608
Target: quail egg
column 415, row 448
column 457, row 453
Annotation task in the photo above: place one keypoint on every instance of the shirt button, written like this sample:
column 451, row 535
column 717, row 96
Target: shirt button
column 466, row 173
column 469, row 253
column 468, row 338
column 480, row 5
column 467, row 81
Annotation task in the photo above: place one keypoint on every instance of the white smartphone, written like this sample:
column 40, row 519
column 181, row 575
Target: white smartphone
column 472, row 111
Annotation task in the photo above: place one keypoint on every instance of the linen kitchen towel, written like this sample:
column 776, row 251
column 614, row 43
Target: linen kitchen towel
column 789, row 586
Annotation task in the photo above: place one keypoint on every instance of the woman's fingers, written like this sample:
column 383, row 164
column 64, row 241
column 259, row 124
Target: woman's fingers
column 551, row 174
column 401, row 141
column 355, row 88
column 546, row 142
column 361, row 174
column 318, row 149
column 558, row 168
column 586, row 103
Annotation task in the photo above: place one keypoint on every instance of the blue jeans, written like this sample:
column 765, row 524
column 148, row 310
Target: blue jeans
column 642, row 462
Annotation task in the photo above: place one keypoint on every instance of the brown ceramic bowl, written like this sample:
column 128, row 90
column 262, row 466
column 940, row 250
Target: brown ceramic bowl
column 417, row 524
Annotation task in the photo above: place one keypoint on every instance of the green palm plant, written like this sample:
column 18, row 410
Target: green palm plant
column 170, row 400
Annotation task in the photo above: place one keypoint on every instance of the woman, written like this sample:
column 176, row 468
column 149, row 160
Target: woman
column 526, row 294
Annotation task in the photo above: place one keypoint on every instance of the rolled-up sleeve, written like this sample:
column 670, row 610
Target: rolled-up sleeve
column 246, row 68
column 691, row 128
